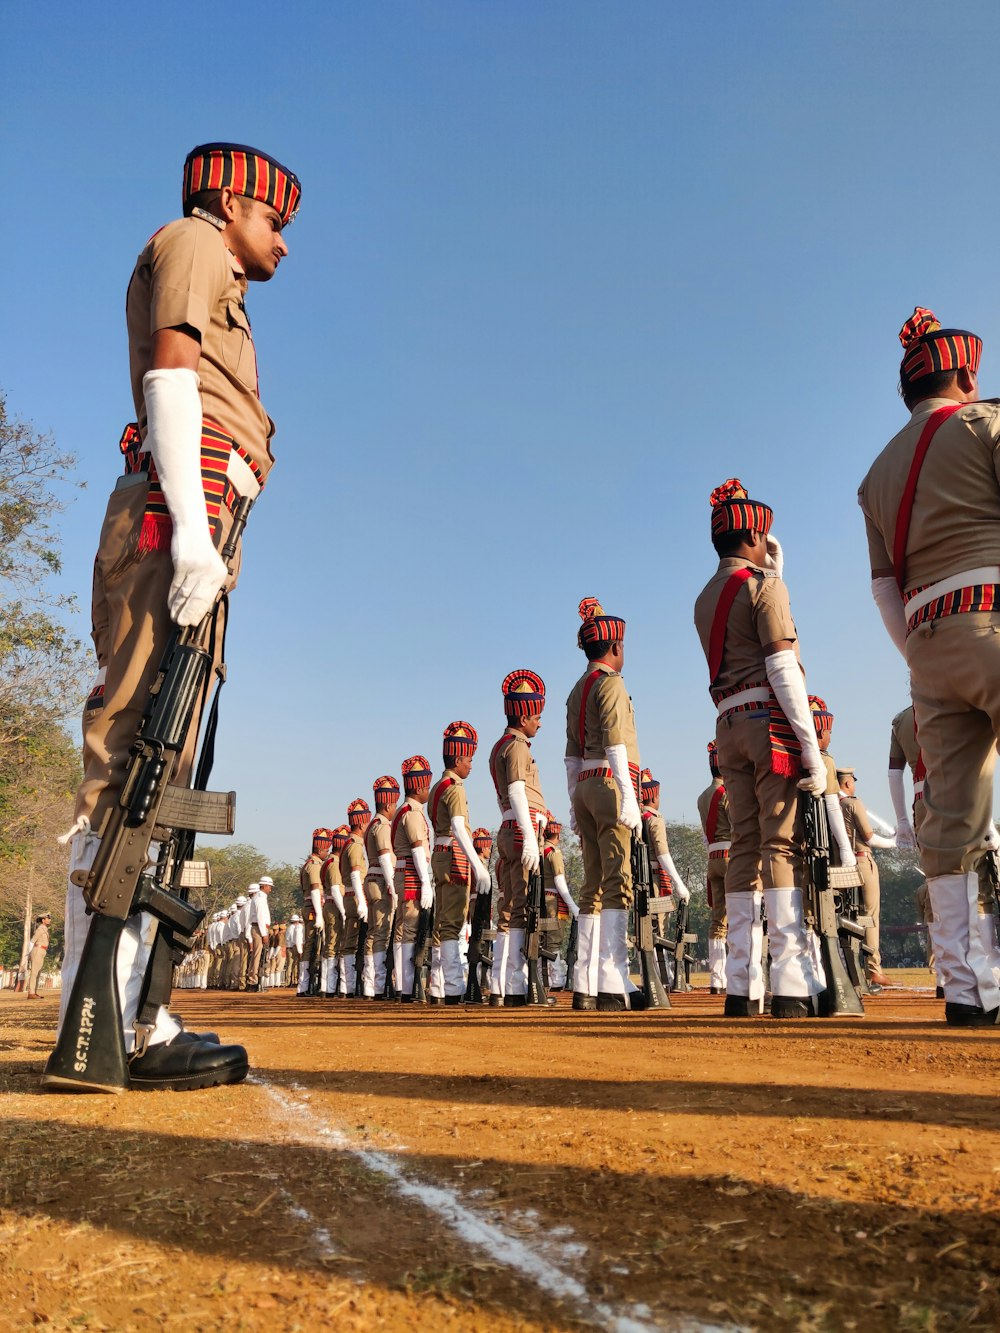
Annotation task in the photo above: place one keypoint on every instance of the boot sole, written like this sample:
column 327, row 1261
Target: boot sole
column 57, row 1083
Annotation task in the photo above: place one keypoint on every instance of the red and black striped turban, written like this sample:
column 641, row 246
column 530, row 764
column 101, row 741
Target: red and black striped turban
column 648, row 785
column 598, row 627
column 246, row 171
column 928, row 348
column 416, row 773
column 339, row 838
column 321, row 839
column 460, row 740
column 822, row 717
column 359, row 813
column 385, row 789
column 523, row 693
column 552, row 826
column 482, row 839
column 713, row 759
column 734, row 511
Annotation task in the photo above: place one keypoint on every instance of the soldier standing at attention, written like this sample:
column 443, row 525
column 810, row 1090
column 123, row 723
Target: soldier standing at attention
column 767, row 741
column 37, row 949
column 379, row 887
column 904, row 752
column 200, row 443
column 352, row 874
column 454, row 860
column 931, row 502
column 713, row 810
column 414, row 891
column 311, row 884
column 602, row 773
column 863, row 838
column 522, row 812
column 294, row 944
column 333, row 914
column 843, row 851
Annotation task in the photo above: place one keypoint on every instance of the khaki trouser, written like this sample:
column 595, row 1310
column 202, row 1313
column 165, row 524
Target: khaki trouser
column 291, row 968
column 606, row 846
column 35, row 960
column 379, row 915
column 407, row 915
column 763, row 809
column 512, row 877
column 717, row 893
column 871, row 896
column 927, row 916
column 954, row 666
column 130, row 629
column 332, row 929
column 451, row 906
column 257, row 944
column 347, row 935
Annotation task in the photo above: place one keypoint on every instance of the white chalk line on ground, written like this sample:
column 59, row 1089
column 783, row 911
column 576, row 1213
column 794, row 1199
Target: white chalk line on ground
column 542, row 1262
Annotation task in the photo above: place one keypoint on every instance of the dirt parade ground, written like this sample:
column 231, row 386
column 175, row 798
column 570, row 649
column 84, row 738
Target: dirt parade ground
column 491, row 1170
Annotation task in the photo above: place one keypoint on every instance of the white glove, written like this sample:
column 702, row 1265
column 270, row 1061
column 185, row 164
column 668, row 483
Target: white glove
column 337, row 898
column 879, row 824
column 905, row 837
column 680, row 888
column 562, row 888
column 173, row 437
column 629, row 814
column 316, row 898
column 877, row 840
column 785, row 677
column 388, row 871
column 887, row 597
column 460, row 832
column 359, row 895
column 835, row 819
column 775, row 558
column 419, row 855
column 573, row 766
column 518, row 798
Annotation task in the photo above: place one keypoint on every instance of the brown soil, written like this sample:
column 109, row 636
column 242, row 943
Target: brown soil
column 661, row 1171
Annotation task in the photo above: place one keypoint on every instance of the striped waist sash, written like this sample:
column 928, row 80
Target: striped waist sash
column 597, row 769
column 971, row 590
column 758, row 697
column 718, row 849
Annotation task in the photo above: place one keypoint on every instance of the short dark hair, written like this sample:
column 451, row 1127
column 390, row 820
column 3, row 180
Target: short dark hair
column 728, row 543
column 208, row 200
column 599, row 648
column 927, row 386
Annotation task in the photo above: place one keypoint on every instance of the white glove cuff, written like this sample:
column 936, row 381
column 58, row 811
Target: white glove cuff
column 618, row 760
column 518, row 797
column 173, row 438
column 785, row 677
column 387, row 868
column 419, row 855
column 835, row 818
column 460, row 832
column 356, row 883
column 316, row 898
column 897, row 795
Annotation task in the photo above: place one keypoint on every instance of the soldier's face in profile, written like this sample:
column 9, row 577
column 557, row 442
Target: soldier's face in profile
column 462, row 765
column 253, row 234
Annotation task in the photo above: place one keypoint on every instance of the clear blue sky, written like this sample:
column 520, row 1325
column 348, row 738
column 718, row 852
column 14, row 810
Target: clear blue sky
column 561, row 268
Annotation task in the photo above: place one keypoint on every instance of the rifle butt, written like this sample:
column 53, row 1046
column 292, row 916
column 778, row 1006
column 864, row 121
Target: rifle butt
column 89, row 1055
column 840, row 997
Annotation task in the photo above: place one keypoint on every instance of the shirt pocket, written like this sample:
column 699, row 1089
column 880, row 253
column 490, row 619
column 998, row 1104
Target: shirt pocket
column 238, row 352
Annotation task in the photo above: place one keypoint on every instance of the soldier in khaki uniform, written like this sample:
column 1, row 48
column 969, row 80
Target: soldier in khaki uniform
column 348, row 845
column 713, row 810
column 931, row 502
column 602, row 773
column 333, row 915
column 37, row 949
column 842, row 850
column 863, row 838
column 522, row 813
column 311, row 884
column 379, row 886
column 767, row 742
column 904, row 752
column 294, row 945
column 453, row 861
column 201, row 441
column 414, row 891
column 667, row 882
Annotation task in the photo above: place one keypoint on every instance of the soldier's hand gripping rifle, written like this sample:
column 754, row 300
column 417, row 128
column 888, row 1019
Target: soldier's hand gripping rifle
column 642, row 887
column 825, row 883
column 683, row 939
column 90, row 1052
column 421, row 950
column 482, row 912
column 317, row 942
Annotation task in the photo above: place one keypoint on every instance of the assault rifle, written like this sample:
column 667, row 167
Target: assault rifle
column 482, row 911
column 359, row 959
column 991, row 865
column 90, row 1051
column 825, row 898
column 421, row 950
column 683, row 957
column 653, row 991
column 535, row 923
column 316, row 956
column 571, row 944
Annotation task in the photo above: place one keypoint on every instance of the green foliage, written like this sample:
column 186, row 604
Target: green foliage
column 239, row 864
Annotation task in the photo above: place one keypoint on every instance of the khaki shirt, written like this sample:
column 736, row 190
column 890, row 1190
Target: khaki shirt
column 903, row 745
column 760, row 614
column 378, row 839
column 331, row 876
column 309, row 875
column 655, row 833
column 512, row 761
column 857, row 823
column 955, row 523
column 186, row 275
column 40, row 939
column 411, row 827
column 554, row 865
column 723, row 831
column 609, row 718
column 445, row 802
column 353, row 858
column 829, row 763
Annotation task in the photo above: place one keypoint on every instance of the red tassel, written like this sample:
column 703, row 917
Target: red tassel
column 785, row 765
column 155, row 533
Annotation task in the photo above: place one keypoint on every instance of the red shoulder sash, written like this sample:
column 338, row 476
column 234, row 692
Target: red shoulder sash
column 712, row 819
column 445, row 782
column 905, row 512
column 717, row 638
